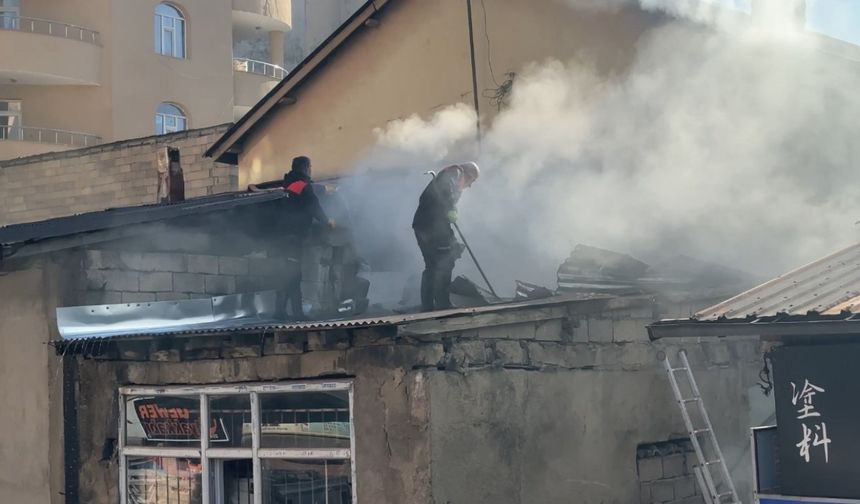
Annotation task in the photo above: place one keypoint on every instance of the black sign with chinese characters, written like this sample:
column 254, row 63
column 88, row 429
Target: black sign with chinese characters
column 817, row 394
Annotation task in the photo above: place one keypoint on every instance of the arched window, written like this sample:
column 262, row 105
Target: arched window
column 169, row 31
column 169, row 118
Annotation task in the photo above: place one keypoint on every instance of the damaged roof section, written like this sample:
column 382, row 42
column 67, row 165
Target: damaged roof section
column 592, row 269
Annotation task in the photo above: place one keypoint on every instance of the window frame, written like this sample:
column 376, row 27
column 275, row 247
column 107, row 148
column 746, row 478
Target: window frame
column 12, row 131
column 255, row 453
column 9, row 15
column 164, row 116
column 158, row 20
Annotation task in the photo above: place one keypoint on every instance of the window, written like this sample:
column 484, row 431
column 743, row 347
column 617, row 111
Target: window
column 169, row 29
column 10, row 120
column 263, row 444
column 169, row 118
column 9, row 12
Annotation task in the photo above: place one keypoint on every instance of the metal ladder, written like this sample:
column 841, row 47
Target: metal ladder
column 710, row 487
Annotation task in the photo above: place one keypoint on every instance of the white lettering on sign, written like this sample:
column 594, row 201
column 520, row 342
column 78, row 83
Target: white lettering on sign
column 817, row 435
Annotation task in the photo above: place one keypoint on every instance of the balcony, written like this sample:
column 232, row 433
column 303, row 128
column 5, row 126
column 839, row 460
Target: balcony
column 257, row 67
column 252, row 79
column 41, row 52
column 18, row 141
column 252, row 16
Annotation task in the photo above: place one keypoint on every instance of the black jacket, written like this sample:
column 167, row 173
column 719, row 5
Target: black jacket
column 301, row 204
column 439, row 197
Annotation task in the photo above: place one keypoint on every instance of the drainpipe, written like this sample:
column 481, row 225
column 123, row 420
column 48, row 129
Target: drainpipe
column 474, row 74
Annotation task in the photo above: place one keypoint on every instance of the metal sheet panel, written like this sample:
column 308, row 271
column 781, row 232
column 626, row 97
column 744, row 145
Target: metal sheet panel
column 238, row 313
column 125, row 216
column 86, row 322
column 827, row 285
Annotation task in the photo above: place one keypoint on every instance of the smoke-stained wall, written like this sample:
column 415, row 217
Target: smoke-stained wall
column 653, row 127
column 550, row 405
column 727, row 139
column 417, row 61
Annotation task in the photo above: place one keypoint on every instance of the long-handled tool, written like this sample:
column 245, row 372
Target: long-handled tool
column 469, row 249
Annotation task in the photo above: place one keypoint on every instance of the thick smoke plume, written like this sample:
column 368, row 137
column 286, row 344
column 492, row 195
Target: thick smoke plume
column 730, row 140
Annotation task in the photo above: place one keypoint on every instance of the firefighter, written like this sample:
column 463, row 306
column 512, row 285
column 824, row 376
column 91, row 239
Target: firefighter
column 301, row 207
column 437, row 211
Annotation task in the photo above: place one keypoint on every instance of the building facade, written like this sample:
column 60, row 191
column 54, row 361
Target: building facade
column 399, row 58
column 807, row 321
column 107, row 175
column 81, row 72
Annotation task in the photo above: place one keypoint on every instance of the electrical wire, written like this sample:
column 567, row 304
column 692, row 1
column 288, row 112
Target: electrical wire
column 489, row 48
column 498, row 96
column 765, row 381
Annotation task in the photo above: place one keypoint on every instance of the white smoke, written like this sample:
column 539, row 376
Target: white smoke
column 733, row 146
column 431, row 139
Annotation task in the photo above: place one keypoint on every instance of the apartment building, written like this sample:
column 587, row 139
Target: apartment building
column 75, row 73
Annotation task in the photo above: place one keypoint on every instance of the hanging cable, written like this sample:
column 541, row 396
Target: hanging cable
column 498, row 95
column 474, row 73
column 765, row 381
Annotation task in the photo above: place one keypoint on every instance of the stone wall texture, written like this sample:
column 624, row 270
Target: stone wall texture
column 111, row 175
column 540, row 404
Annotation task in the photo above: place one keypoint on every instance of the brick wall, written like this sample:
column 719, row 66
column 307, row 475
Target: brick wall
column 111, row 175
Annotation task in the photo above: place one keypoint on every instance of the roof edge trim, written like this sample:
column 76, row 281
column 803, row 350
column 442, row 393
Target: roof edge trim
column 294, row 79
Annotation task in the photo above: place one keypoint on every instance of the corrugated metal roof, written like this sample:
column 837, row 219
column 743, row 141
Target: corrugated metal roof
column 126, row 216
column 826, row 286
column 255, row 323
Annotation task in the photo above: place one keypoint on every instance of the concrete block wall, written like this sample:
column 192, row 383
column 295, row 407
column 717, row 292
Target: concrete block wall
column 110, row 175
column 665, row 473
column 112, row 276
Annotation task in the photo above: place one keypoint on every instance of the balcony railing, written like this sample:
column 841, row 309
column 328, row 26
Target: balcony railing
column 48, row 136
column 45, row 27
column 259, row 68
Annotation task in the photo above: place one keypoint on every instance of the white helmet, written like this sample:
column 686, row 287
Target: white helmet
column 471, row 170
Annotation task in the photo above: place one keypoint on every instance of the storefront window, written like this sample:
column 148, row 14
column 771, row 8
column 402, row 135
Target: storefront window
column 230, row 421
column 163, row 479
column 309, row 420
column 307, row 481
column 154, row 420
column 265, row 444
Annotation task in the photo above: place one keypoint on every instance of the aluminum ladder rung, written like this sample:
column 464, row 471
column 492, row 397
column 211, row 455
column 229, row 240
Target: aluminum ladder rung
column 708, row 482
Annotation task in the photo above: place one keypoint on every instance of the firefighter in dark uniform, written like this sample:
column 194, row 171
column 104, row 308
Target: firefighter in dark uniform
column 437, row 211
column 301, row 208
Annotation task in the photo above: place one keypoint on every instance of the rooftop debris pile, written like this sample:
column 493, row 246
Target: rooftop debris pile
column 591, row 269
